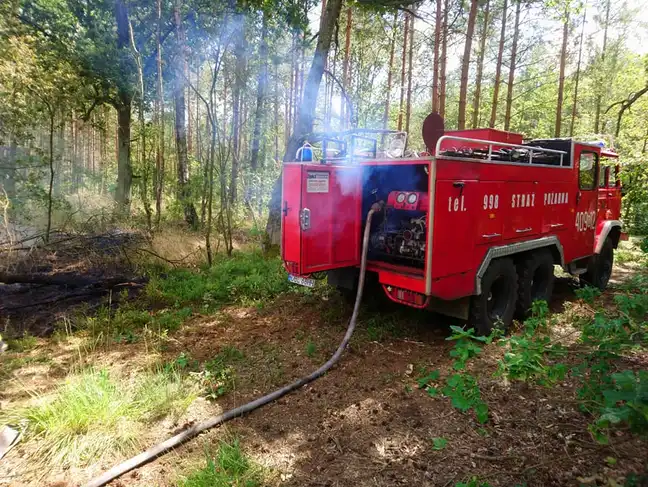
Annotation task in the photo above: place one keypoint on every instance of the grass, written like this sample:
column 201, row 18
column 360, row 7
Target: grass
column 228, row 467
column 246, row 278
column 94, row 414
column 23, row 344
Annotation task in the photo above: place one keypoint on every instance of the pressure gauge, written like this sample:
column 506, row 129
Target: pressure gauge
column 400, row 198
column 411, row 199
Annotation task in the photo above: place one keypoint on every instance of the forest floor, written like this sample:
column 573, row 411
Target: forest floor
column 374, row 420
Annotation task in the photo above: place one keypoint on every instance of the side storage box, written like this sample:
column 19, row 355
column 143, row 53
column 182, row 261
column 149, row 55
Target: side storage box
column 321, row 218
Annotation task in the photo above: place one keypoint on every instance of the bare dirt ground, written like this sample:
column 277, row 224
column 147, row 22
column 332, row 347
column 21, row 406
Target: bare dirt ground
column 365, row 423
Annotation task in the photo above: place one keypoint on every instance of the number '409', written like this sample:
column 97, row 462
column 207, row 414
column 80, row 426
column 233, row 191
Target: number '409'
column 491, row 201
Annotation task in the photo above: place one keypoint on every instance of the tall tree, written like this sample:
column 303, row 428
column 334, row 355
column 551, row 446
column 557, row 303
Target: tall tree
column 599, row 86
column 403, row 71
column 480, row 67
column 444, row 60
column 410, row 69
column 159, row 119
column 346, row 80
column 511, row 77
column 390, row 70
column 180, row 81
column 465, row 64
column 262, row 87
column 498, row 67
column 578, row 72
column 123, row 104
column 435, row 67
column 237, row 101
column 561, row 76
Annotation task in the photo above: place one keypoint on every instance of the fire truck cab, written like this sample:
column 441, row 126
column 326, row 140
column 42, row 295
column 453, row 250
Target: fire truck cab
column 473, row 229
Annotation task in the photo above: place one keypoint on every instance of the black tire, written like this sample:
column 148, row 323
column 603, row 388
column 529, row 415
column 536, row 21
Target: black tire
column 495, row 306
column 535, row 280
column 600, row 268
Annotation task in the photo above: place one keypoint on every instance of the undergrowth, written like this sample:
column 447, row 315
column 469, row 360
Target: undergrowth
column 96, row 414
column 246, row 277
column 229, row 466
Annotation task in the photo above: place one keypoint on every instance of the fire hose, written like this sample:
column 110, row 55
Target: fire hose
column 186, row 435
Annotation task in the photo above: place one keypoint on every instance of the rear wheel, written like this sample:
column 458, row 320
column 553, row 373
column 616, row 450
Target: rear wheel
column 600, row 269
column 495, row 306
column 535, row 280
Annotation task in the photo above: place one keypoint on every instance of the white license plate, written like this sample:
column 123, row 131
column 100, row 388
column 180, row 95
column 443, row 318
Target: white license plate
column 302, row 281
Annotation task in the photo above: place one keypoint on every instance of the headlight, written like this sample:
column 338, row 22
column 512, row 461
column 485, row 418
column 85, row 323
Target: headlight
column 411, row 199
column 400, row 198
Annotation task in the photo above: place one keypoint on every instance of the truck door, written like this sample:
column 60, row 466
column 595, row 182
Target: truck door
column 587, row 160
column 321, row 222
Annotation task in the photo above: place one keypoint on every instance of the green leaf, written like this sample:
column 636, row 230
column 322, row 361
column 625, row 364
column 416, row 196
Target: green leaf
column 439, row 443
column 481, row 411
column 432, row 391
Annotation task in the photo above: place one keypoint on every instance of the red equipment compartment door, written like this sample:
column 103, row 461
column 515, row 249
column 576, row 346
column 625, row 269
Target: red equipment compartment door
column 586, row 159
column 523, row 210
column 490, row 202
column 321, row 219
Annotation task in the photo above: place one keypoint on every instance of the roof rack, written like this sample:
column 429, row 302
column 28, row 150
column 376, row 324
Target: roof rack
column 505, row 152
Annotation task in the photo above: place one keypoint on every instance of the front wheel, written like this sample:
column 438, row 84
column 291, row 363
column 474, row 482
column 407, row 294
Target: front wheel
column 600, row 269
column 495, row 306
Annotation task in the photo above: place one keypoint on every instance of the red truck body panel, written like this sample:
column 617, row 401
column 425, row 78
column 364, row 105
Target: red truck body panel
column 468, row 209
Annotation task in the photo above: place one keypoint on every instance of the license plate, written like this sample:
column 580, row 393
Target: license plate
column 302, row 281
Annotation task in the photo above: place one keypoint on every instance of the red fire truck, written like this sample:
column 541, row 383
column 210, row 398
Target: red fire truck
column 473, row 229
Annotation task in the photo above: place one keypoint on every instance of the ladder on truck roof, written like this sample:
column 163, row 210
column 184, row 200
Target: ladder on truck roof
column 478, row 150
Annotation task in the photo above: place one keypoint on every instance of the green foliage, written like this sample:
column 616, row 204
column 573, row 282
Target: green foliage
column 473, row 482
column 439, row 443
column 463, row 391
column 93, row 414
column 228, row 467
column 23, row 344
column 588, row 294
column 246, row 277
column 626, row 402
column 217, row 376
column 527, row 355
column 311, row 349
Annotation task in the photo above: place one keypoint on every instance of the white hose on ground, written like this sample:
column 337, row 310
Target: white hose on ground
column 186, row 435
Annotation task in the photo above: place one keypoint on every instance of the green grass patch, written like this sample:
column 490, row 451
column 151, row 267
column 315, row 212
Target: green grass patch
column 94, row 414
column 228, row 467
column 23, row 344
column 246, row 277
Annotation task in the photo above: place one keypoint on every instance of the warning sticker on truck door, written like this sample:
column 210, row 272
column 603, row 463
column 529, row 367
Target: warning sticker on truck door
column 317, row 182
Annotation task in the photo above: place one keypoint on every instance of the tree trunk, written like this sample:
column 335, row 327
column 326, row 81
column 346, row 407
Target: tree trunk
column 480, row 67
column 408, row 108
column 237, row 103
column 435, row 67
column 123, row 106
column 561, row 79
column 305, row 121
column 498, row 67
column 444, row 60
column 390, row 71
column 465, row 65
column 403, row 71
column 159, row 116
column 50, row 189
column 600, row 71
column 184, row 190
column 576, row 81
column 261, row 95
column 345, row 65
column 511, row 77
